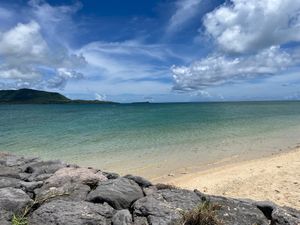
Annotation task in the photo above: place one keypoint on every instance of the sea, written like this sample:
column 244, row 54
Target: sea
column 150, row 139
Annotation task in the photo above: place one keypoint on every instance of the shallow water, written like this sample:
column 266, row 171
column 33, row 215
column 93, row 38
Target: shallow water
column 149, row 139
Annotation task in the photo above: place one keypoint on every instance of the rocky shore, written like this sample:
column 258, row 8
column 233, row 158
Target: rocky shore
column 36, row 192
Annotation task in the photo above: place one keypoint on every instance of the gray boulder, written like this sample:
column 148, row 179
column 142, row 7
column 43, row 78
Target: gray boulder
column 86, row 176
column 150, row 190
column 179, row 198
column 166, row 206
column 285, row 216
column 235, row 212
column 70, row 213
column 119, row 193
column 70, row 183
column 41, row 168
column 41, row 177
column 9, row 182
column 30, row 186
column 279, row 215
column 111, row 175
column 68, row 191
column 137, row 220
column 139, row 180
column 122, row 217
column 13, row 200
column 12, row 172
column 9, row 160
column 4, row 219
column 157, row 211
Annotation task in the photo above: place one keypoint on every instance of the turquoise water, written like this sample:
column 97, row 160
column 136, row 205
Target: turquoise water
column 149, row 137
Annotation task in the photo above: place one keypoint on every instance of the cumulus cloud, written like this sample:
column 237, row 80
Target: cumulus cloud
column 251, row 25
column 219, row 69
column 249, row 35
column 63, row 75
column 29, row 58
column 185, row 11
column 23, row 41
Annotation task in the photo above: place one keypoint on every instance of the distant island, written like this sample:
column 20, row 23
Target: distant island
column 30, row 96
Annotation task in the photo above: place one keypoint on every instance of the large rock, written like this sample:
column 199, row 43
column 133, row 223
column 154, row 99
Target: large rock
column 119, row 193
column 43, row 169
column 40, row 177
column 68, row 191
column 9, row 160
column 13, row 200
column 111, row 175
column 70, row 183
column 279, row 215
column 12, row 172
column 285, row 216
column 4, row 220
column 70, row 213
column 140, row 220
column 179, row 198
column 234, row 211
column 122, row 217
column 157, row 211
column 30, row 186
column 166, row 206
column 139, row 180
column 86, row 176
column 9, row 182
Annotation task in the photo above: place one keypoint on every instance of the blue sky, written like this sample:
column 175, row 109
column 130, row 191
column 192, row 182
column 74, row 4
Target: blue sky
column 152, row 50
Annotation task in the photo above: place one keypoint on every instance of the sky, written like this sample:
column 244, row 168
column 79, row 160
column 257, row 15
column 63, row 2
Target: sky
column 152, row 50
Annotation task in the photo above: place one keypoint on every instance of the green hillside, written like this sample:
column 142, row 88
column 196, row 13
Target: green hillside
column 30, row 96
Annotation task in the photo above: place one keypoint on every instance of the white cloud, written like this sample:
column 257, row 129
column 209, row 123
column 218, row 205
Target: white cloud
column 128, row 60
column 23, row 41
column 131, row 47
column 128, row 68
column 185, row 11
column 30, row 57
column 251, row 25
column 14, row 73
column 249, row 35
column 57, row 19
column 219, row 69
column 63, row 75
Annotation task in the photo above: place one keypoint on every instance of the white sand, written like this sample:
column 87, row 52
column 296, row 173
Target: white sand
column 275, row 178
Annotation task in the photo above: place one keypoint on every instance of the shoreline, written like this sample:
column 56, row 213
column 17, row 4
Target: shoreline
column 274, row 178
column 35, row 192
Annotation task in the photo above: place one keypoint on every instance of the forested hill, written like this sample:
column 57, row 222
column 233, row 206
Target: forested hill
column 30, row 96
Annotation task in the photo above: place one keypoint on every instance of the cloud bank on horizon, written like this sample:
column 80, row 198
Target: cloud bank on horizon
column 184, row 50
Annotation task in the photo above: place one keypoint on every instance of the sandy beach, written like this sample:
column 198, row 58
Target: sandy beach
column 275, row 178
